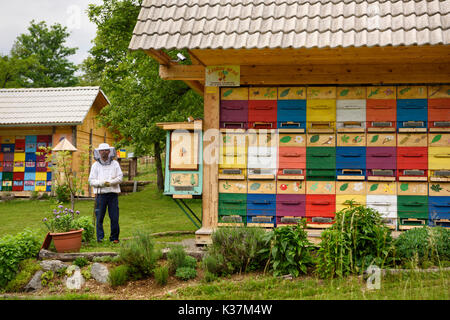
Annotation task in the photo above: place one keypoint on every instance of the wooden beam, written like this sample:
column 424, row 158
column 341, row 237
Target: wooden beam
column 164, row 60
column 322, row 74
column 349, row 55
column 210, row 201
column 160, row 56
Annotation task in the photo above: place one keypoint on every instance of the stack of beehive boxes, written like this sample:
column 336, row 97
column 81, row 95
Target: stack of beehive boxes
column 293, row 152
column 23, row 165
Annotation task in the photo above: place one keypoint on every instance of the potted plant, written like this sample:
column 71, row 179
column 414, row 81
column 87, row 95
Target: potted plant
column 63, row 229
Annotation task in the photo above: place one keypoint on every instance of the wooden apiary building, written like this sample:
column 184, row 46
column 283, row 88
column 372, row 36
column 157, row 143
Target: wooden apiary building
column 41, row 117
column 355, row 96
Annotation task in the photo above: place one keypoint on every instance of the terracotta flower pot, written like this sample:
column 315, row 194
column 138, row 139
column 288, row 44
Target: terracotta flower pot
column 67, row 241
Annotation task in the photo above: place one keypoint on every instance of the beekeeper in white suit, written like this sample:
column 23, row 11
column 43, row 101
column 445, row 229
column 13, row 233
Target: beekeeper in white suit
column 105, row 177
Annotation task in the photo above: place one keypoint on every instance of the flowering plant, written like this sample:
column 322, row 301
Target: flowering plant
column 63, row 220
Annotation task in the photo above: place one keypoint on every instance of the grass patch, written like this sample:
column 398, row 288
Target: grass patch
column 407, row 286
column 148, row 209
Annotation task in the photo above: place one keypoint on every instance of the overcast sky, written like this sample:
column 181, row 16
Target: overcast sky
column 15, row 17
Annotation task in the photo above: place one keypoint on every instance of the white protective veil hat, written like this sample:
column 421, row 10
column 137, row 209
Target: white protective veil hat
column 104, row 146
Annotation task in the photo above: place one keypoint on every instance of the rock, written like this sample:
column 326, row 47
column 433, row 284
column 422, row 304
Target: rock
column 53, row 265
column 99, row 272
column 35, row 282
column 76, row 281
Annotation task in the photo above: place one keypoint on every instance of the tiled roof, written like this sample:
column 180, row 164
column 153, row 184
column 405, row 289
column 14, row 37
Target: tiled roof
column 246, row 24
column 46, row 106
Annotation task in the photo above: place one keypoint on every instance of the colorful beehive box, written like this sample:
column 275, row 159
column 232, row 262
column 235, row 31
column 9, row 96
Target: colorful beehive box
column 233, row 161
column 291, row 108
column 381, row 117
column 412, row 211
column 320, row 163
column 261, row 210
column 234, row 108
column 232, row 209
column 351, row 116
column 351, row 163
column 381, row 163
column 321, row 116
column 290, row 208
column 350, row 193
column 412, row 163
column 262, row 108
column 439, row 211
column 262, row 161
column 412, row 116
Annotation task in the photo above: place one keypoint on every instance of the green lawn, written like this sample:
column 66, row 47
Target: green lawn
column 147, row 209
column 407, row 286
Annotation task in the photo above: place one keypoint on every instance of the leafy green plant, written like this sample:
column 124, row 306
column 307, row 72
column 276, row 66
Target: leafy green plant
column 237, row 250
column 81, row 262
column 186, row 273
column 27, row 268
column 139, row 254
column 161, row 275
column 62, row 193
column 189, row 262
column 420, row 246
column 357, row 239
column 63, row 220
column 119, row 275
column 209, row 277
column 175, row 258
column 14, row 249
column 47, row 277
column 85, row 223
column 290, row 250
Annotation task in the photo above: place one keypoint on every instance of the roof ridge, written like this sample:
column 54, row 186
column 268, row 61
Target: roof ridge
column 51, row 88
column 263, row 2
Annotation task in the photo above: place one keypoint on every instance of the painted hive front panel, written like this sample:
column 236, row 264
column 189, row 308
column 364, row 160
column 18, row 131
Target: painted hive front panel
column 311, row 151
column 22, row 159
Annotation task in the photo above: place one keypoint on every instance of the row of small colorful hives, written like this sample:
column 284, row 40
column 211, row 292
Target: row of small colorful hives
column 23, row 165
column 383, row 108
column 381, row 136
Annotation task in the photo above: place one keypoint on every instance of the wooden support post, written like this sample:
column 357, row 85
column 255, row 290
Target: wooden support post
column 210, row 203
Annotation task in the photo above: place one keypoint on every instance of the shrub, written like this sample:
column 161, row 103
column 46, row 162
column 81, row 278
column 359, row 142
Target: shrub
column 211, row 263
column 357, row 239
column 62, row 193
column 14, row 249
column 290, row 250
column 27, row 269
column 209, row 276
column 175, row 258
column 140, row 255
column 237, row 250
column 161, row 275
column 85, row 222
column 189, row 262
column 185, row 273
column 81, row 262
column 422, row 246
column 119, row 275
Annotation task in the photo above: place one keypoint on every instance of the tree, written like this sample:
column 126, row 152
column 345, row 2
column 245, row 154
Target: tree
column 12, row 70
column 139, row 97
column 46, row 44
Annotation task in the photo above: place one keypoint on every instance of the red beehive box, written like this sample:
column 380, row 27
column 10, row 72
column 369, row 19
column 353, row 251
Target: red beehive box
column 292, row 157
column 379, row 111
column 17, row 176
column 262, row 114
column 438, row 111
column 412, row 162
column 321, row 206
